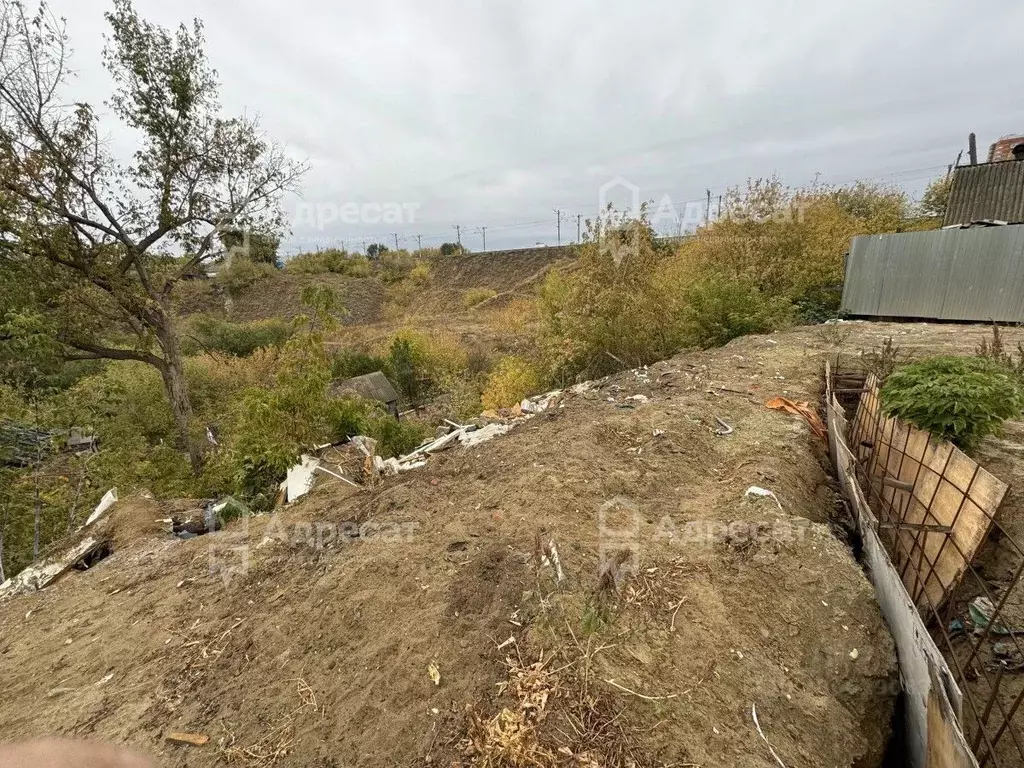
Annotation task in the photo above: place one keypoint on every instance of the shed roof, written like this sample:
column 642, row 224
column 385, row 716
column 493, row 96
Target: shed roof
column 372, row 386
column 992, row 191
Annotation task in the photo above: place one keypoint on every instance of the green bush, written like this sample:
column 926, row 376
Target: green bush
column 394, row 437
column 243, row 273
column 333, row 260
column 451, row 249
column 396, row 265
column 420, row 274
column 717, row 310
column 475, row 296
column 961, row 399
column 257, row 247
column 613, row 309
column 209, row 333
column 513, row 379
column 404, row 368
column 346, row 363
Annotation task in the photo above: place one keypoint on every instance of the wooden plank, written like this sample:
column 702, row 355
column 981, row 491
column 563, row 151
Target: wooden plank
column 192, row 739
column 947, row 747
column 950, row 491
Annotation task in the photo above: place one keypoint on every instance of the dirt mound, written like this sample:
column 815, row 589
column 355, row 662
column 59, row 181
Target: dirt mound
column 508, row 273
column 423, row 620
column 280, row 296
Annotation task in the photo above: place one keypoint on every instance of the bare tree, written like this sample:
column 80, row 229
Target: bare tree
column 110, row 240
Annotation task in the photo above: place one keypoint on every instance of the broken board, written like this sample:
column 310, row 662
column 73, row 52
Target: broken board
column 935, row 505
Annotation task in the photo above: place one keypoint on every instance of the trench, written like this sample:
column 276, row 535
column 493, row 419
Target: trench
column 843, row 524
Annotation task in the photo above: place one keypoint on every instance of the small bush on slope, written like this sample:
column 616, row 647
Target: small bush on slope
column 333, row 260
column 513, row 379
column 475, row 296
column 613, row 310
column 961, row 399
column 242, row 274
column 208, row 333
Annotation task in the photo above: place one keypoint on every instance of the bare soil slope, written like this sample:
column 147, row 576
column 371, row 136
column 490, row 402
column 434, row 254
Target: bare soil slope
column 285, row 652
column 508, row 273
column 280, row 296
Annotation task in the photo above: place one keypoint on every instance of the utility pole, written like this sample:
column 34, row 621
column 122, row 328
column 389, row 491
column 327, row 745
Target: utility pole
column 458, row 234
column 419, row 242
column 956, row 164
column 707, row 212
column 579, row 217
column 396, row 240
column 558, row 214
column 483, row 231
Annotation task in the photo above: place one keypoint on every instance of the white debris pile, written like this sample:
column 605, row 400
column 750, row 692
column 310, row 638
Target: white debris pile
column 302, row 476
column 108, row 500
column 43, row 575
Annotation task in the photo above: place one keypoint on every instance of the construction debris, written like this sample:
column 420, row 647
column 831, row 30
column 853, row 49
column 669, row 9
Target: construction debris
column 800, row 409
column 43, row 575
column 763, row 493
column 981, row 610
column 108, row 500
column 491, row 431
column 300, row 478
column 723, row 428
column 192, row 739
column 753, row 713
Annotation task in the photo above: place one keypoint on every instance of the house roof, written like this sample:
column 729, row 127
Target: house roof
column 372, row 386
column 991, row 191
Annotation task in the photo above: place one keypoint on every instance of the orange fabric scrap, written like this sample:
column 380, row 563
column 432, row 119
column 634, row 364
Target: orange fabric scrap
column 800, row 409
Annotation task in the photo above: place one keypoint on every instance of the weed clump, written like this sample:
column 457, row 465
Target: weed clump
column 961, row 399
column 475, row 296
column 514, row 379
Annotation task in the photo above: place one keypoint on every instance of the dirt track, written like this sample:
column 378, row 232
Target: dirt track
column 319, row 655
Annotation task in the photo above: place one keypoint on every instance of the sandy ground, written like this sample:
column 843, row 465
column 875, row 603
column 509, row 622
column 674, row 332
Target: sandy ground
column 291, row 641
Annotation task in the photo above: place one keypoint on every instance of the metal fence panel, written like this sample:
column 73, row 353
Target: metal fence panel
column 955, row 274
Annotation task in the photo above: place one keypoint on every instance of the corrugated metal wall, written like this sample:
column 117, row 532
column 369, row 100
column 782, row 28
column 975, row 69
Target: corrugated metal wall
column 989, row 191
column 955, row 274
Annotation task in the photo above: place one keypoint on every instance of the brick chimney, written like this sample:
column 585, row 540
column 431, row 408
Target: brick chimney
column 1005, row 149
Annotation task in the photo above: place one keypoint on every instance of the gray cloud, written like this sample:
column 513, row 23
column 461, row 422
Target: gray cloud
column 496, row 113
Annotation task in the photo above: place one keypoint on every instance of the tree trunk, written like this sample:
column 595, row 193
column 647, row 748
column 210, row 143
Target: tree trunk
column 173, row 373
column 3, row 529
column 35, row 486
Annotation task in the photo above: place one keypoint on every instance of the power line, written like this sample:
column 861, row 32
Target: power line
column 893, row 176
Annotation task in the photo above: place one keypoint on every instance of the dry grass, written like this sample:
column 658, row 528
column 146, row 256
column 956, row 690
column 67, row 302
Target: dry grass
column 518, row 317
column 278, row 740
column 475, row 296
column 510, row 738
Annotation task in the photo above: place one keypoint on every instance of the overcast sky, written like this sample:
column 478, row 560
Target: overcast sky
column 496, row 113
